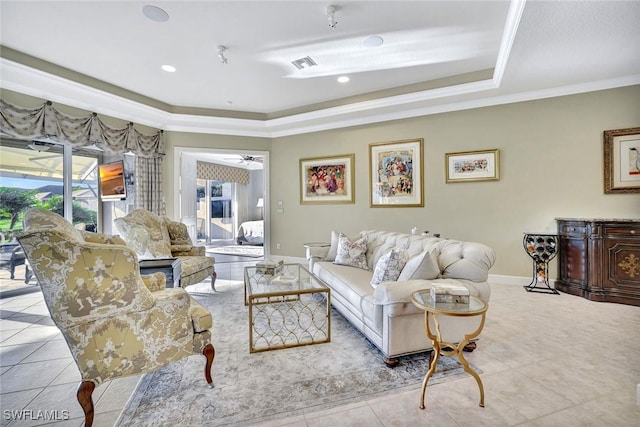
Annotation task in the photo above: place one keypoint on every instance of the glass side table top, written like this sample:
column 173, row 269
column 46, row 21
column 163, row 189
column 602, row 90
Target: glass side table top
column 423, row 300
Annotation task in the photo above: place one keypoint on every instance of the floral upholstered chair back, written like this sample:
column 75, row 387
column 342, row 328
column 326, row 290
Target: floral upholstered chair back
column 153, row 236
column 79, row 280
column 146, row 233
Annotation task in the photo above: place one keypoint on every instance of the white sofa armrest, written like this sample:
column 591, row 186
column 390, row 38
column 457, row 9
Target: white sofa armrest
column 400, row 292
column 316, row 252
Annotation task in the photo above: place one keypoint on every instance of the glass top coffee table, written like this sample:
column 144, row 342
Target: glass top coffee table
column 288, row 307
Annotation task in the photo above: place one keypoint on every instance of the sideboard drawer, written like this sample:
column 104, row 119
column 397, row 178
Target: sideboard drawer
column 618, row 232
column 573, row 230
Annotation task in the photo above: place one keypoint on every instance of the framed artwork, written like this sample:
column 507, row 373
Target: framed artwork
column 467, row 166
column 395, row 174
column 327, row 180
column 622, row 161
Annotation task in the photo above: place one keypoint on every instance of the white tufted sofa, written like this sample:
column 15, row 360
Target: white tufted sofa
column 386, row 315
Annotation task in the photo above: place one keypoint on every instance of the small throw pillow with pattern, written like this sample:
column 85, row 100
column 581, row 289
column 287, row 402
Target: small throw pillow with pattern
column 389, row 266
column 351, row 253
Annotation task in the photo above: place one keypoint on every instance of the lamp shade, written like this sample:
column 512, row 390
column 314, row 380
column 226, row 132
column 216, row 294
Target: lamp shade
column 260, row 203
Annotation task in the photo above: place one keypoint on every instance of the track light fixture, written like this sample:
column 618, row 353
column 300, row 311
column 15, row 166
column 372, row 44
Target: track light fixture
column 331, row 12
column 221, row 51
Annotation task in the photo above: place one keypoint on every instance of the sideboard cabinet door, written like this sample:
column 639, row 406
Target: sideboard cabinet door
column 600, row 259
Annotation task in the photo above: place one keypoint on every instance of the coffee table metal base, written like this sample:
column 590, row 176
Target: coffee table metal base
column 289, row 310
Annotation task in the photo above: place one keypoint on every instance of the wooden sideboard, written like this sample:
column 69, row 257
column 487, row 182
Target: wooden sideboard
column 599, row 259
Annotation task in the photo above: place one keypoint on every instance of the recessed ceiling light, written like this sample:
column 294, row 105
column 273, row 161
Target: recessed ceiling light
column 343, row 79
column 373, row 41
column 169, row 68
column 154, row 13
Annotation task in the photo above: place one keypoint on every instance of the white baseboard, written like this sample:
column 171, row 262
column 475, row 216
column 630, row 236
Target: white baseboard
column 511, row 280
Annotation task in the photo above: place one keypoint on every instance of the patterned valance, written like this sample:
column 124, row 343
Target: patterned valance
column 47, row 122
column 222, row 173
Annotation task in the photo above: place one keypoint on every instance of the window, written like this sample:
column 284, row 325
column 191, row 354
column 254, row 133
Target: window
column 38, row 174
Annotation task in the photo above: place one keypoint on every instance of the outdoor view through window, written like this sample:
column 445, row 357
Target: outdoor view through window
column 32, row 174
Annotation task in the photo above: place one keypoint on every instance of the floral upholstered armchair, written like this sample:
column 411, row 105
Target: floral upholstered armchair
column 115, row 322
column 153, row 236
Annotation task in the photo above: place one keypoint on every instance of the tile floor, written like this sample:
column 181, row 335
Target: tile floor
column 545, row 360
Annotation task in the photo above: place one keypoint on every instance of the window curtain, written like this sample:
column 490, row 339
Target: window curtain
column 46, row 122
column 149, row 184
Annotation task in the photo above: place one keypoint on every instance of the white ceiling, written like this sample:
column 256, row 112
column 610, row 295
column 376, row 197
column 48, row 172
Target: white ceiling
column 514, row 51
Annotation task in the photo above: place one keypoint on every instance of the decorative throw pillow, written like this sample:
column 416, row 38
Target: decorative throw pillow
column 352, row 253
column 422, row 266
column 389, row 266
column 333, row 249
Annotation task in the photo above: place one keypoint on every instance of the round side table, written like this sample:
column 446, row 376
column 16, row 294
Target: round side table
column 476, row 307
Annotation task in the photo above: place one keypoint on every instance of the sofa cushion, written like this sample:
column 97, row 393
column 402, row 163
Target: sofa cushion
column 422, row 266
column 389, row 266
column 351, row 283
column 351, row 253
column 352, row 286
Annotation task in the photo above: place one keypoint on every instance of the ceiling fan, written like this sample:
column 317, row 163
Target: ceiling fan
column 247, row 159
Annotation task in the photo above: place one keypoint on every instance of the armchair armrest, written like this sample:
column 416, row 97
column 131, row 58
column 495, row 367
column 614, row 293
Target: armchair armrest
column 155, row 281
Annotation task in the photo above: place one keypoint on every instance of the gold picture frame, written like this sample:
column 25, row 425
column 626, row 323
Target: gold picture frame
column 622, row 161
column 396, row 174
column 327, row 180
column 465, row 166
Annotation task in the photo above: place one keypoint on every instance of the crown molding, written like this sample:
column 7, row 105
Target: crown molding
column 29, row 81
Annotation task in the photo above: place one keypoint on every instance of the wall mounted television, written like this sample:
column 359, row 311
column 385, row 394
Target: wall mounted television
column 111, row 178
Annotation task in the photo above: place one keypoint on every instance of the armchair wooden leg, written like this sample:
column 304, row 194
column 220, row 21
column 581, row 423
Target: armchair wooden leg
column 85, row 390
column 213, row 281
column 209, row 352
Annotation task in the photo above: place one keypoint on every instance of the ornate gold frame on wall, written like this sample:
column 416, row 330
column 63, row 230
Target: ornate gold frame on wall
column 344, row 182
column 619, row 144
column 402, row 187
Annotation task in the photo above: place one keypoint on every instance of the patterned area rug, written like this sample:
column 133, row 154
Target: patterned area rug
column 238, row 250
column 274, row 384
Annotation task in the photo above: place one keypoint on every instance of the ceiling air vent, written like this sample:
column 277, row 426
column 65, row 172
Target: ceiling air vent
column 304, row 62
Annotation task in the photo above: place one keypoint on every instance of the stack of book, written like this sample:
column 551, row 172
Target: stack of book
column 269, row 267
column 450, row 294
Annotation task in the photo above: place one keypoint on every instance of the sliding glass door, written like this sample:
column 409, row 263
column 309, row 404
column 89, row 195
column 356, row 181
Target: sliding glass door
column 47, row 175
column 216, row 211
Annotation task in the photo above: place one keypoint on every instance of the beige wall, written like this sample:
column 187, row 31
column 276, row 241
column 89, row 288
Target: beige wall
column 551, row 166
